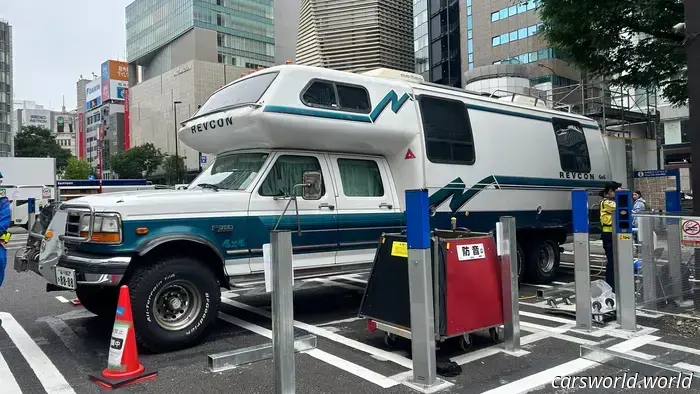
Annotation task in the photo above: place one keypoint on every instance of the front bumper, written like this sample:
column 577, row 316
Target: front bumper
column 93, row 269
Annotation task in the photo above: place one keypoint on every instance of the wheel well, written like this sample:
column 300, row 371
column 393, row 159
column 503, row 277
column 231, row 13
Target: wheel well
column 191, row 249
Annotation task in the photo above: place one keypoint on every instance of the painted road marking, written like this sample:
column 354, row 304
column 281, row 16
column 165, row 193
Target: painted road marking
column 350, row 278
column 9, row 384
column 341, row 321
column 322, row 332
column 333, row 283
column 359, row 371
column 578, row 365
column 45, row 371
column 62, row 299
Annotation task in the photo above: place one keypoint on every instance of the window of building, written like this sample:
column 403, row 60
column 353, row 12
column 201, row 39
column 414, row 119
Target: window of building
column 288, row 172
column 503, row 13
column 495, row 16
column 522, row 33
column 513, row 36
column 248, row 90
column 496, row 41
column 220, row 39
column 220, row 58
column 504, row 38
column 448, row 134
column 360, row 178
column 573, row 148
column 513, row 10
column 219, row 20
column 334, row 95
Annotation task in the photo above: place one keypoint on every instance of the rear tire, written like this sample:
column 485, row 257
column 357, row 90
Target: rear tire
column 99, row 300
column 542, row 261
column 175, row 303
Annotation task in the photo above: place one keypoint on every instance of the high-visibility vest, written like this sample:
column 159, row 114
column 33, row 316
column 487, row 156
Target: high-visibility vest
column 607, row 209
column 5, row 237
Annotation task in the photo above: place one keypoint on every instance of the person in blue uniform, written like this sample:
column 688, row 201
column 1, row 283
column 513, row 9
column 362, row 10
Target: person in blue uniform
column 5, row 222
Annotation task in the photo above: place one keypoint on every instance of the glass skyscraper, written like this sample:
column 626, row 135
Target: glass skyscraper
column 244, row 33
column 6, row 138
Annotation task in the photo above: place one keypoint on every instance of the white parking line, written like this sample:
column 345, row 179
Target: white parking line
column 578, row 365
column 46, row 372
column 9, row 384
column 359, row 371
column 322, row 332
column 341, row 321
column 62, row 299
column 350, row 278
column 334, row 283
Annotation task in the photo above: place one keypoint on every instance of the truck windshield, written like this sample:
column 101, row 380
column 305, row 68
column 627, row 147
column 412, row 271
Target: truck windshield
column 232, row 172
column 249, row 90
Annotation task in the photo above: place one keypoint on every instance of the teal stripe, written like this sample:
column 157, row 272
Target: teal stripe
column 316, row 113
column 521, row 115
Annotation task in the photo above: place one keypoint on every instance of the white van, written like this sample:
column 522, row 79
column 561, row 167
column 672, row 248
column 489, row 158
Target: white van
column 361, row 141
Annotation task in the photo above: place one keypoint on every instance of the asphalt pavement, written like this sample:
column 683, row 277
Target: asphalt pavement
column 48, row 345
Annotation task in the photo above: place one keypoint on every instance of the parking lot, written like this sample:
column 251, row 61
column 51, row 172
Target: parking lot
column 49, row 345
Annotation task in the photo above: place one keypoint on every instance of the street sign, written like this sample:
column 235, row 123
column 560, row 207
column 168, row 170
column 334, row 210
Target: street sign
column 45, row 192
column 203, row 159
column 690, row 236
column 91, row 177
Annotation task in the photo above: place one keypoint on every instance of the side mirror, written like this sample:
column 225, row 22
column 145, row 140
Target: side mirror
column 311, row 181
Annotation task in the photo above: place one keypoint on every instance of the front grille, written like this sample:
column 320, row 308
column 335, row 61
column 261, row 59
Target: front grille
column 73, row 223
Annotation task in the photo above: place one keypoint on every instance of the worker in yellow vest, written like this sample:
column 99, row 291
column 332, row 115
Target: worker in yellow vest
column 607, row 210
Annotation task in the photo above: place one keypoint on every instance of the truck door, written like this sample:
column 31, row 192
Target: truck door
column 367, row 206
column 318, row 243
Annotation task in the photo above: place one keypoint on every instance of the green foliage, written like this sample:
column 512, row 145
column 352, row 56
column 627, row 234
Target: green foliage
column 77, row 169
column 595, row 37
column 34, row 141
column 171, row 165
column 137, row 162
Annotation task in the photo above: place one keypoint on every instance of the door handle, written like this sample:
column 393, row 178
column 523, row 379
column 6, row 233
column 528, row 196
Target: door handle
column 385, row 205
column 326, row 205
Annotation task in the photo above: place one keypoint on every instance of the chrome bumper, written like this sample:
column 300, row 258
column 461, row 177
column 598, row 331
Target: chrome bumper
column 93, row 270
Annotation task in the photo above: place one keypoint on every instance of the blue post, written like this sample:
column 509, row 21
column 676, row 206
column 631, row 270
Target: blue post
column 624, row 261
column 673, row 242
column 673, row 201
column 31, row 206
column 582, row 269
column 421, row 288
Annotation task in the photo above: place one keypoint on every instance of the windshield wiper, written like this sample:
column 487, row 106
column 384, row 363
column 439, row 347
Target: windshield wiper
column 208, row 186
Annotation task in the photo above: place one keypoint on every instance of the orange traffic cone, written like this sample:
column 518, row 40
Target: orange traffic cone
column 123, row 365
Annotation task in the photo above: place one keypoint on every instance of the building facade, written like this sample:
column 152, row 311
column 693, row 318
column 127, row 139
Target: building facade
column 159, row 104
column 162, row 35
column 62, row 124
column 6, row 137
column 356, row 35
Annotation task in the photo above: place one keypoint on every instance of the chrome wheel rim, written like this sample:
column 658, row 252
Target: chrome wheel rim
column 177, row 305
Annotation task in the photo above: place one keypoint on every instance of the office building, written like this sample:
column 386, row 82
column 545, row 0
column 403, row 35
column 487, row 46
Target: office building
column 106, row 131
column 181, row 51
column 80, row 117
column 60, row 123
column 162, row 35
column 356, row 35
column 6, row 137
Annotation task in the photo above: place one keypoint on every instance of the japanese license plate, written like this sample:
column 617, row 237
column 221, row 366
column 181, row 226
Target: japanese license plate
column 65, row 277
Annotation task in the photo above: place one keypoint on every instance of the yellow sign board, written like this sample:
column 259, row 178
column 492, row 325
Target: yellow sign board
column 399, row 249
column 624, row 237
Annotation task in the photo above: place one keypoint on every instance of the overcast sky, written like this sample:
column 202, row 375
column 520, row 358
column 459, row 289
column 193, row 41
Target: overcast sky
column 55, row 41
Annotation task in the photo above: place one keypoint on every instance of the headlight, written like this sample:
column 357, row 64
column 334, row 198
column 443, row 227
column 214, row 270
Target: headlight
column 105, row 228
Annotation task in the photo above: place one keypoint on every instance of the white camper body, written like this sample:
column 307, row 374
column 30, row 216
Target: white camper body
column 370, row 138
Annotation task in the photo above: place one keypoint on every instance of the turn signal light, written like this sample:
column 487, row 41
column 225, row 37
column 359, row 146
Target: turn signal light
column 48, row 234
column 103, row 237
column 141, row 231
column 288, row 62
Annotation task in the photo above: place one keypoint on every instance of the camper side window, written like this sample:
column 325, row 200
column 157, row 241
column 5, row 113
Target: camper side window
column 573, row 149
column 448, row 132
column 360, row 178
column 287, row 172
column 338, row 96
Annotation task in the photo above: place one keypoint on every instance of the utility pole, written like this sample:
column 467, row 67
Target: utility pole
column 692, row 30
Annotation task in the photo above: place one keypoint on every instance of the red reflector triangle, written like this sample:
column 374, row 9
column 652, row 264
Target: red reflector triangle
column 409, row 155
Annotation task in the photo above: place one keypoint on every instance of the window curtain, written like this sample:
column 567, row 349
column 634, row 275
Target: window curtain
column 360, row 178
column 286, row 173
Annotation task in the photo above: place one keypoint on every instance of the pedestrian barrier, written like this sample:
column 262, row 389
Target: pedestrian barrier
column 123, row 367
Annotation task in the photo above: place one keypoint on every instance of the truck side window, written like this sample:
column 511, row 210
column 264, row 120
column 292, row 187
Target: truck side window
column 353, row 98
column 573, row 149
column 360, row 178
column 286, row 173
column 448, row 132
column 321, row 94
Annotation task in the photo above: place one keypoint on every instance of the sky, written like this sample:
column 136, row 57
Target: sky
column 56, row 41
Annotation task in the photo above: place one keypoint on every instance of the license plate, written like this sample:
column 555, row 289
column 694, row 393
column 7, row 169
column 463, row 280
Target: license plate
column 65, row 277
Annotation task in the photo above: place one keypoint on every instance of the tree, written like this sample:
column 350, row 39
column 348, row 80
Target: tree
column 137, row 162
column 630, row 43
column 77, row 169
column 171, row 165
column 35, row 141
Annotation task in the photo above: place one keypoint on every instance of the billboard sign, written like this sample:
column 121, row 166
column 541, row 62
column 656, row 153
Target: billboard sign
column 37, row 117
column 81, row 136
column 93, row 97
column 115, row 78
column 127, row 132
